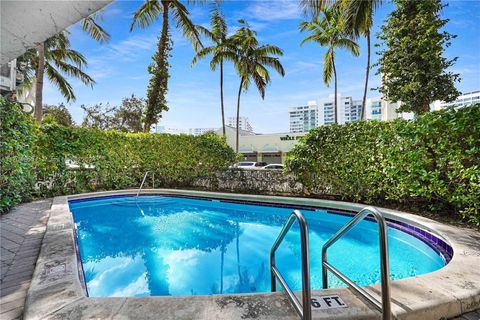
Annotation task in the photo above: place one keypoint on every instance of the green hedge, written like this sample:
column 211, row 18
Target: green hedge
column 433, row 161
column 111, row 160
column 16, row 158
column 33, row 159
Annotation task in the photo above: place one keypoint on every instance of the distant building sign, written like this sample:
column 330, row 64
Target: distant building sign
column 287, row 137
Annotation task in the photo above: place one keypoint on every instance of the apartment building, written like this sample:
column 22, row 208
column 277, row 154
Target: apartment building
column 200, row 131
column 303, row 118
column 321, row 112
column 463, row 100
column 244, row 123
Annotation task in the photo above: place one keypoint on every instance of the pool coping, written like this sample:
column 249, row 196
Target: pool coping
column 56, row 291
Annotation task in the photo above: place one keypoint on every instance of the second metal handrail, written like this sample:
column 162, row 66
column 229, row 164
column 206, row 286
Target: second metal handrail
column 304, row 310
column 385, row 305
column 143, row 181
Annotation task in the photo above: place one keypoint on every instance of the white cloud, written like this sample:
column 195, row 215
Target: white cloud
column 302, row 66
column 274, row 10
column 128, row 49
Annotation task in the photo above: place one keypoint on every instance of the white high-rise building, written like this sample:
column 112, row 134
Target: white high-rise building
column 374, row 108
column 243, row 124
column 303, row 118
column 169, row 130
column 356, row 110
column 462, row 101
column 200, row 131
column 321, row 112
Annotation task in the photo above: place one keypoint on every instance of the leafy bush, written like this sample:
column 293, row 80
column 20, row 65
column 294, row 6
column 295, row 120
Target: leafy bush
column 108, row 160
column 16, row 167
column 433, row 161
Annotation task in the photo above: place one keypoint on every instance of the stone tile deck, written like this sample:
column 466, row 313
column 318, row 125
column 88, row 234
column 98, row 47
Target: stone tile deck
column 21, row 235
column 475, row 315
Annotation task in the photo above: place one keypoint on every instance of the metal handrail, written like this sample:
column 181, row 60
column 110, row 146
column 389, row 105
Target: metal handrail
column 304, row 310
column 385, row 305
column 143, row 181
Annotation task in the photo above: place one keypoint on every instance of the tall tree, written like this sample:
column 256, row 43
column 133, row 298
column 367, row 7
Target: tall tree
column 58, row 113
column 159, row 69
column 251, row 63
column 359, row 19
column 127, row 117
column 329, row 31
column 411, row 63
column 56, row 59
column 98, row 116
column 222, row 49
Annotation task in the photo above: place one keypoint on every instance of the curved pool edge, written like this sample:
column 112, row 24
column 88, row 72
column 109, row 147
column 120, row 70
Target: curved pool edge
column 56, row 291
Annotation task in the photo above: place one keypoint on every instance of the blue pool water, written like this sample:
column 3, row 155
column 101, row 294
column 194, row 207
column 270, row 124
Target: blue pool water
column 178, row 246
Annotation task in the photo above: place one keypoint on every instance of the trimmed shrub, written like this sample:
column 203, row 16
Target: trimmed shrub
column 17, row 136
column 433, row 161
column 109, row 160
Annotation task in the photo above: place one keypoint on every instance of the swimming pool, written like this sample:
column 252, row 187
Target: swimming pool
column 170, row 245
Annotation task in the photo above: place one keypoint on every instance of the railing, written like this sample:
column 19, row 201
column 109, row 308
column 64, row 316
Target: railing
column 304, row 310
column 143, row 181
column 383, row 305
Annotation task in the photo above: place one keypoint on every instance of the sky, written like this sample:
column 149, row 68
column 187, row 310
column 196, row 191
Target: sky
column 120, row 66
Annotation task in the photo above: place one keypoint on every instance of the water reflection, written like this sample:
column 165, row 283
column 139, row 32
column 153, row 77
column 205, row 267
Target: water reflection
column 174, row 246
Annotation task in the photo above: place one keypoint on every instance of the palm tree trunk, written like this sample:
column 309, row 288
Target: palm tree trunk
column 335, row 118
column 221, row 98
column 154, row 95
column 364, row 101
column 238, row 114
column 39, row 82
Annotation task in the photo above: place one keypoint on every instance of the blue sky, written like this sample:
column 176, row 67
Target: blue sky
column 120, row 66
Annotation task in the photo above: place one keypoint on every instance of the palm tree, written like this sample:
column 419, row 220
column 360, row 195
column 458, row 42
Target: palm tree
column 251, row 64
column 222, row 49
column 55, row 58
column 314, row 7
column 148, row 12
column 329, row 30
column 359, row 19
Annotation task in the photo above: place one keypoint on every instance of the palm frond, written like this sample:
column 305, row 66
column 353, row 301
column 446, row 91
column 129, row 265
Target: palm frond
column 311, row 38
column 313, row 8
column 328, row 66
column 74, row 71
column 75, row 57
column 219, row 26
column 91, row 26
column 260, row 83
column 60, row 82
column 206, row 33
column 180, row 15
column 262, row 72
column 269, row 49
column 349, row 45
column 273, row 63
column 359, row 14
column 202, row 53
column 146, row 14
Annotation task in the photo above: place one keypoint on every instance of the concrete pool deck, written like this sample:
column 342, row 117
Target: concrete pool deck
column 56, row 291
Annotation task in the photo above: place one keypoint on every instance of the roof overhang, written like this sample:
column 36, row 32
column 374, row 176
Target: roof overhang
column 26, row 23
